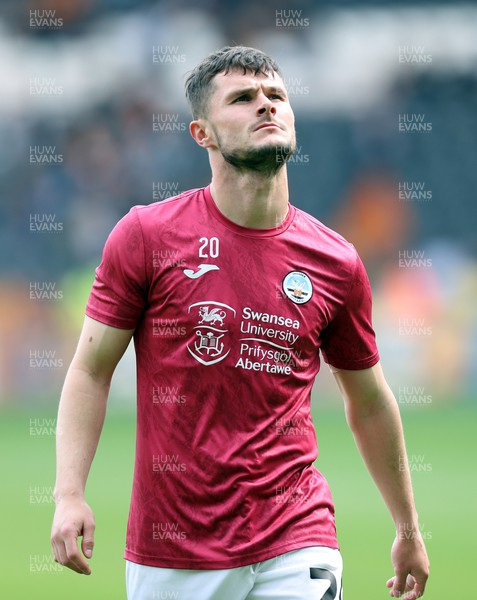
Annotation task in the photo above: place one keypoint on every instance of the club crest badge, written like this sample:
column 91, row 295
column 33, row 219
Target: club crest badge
column 210, row 341
column 298, row 287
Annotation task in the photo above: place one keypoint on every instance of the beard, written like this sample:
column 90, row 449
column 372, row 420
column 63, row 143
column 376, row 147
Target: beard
column 266, row 160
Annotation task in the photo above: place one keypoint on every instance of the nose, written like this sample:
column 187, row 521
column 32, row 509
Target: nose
column 266, row 106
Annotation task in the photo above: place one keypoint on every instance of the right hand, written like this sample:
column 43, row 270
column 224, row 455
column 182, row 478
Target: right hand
column 73, row 519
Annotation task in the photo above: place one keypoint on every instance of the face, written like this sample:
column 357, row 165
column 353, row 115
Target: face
column 251, row 121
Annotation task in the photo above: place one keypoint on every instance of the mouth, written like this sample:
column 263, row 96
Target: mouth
column 267, row 126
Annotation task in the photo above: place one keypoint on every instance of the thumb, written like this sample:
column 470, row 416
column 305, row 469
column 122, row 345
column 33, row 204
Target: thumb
column 87, row 543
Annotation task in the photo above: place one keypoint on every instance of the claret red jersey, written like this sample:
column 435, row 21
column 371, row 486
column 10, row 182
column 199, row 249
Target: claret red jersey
column 229, row 326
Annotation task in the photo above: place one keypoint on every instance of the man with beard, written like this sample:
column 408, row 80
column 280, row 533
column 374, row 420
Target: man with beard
column 231, row 294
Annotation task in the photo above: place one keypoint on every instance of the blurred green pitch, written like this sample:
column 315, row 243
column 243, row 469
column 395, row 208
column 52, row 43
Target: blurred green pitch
column 445, row 495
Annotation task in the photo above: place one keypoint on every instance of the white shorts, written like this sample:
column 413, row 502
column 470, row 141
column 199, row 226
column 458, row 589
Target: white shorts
column 305, row 574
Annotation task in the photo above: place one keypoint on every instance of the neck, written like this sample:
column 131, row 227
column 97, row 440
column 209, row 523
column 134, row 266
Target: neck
column 251, row 199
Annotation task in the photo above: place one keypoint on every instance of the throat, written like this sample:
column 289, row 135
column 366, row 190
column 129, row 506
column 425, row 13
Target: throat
column 252, row 201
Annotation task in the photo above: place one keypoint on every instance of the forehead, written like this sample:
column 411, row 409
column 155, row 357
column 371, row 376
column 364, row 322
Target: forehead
column 224, row 83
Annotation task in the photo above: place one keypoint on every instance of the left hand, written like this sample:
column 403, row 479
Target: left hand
column 411, row 566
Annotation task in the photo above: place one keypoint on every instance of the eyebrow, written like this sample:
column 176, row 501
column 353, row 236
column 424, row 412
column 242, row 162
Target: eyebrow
column 251, row 90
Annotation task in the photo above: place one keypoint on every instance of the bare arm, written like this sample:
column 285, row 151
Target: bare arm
column 373, row 416
column 80, row 420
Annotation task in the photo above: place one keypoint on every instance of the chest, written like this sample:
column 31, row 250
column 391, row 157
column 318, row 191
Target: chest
column 260, row 303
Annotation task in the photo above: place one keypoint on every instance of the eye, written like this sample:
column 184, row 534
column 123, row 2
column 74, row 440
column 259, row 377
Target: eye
column 277, row 96
column 242, row 98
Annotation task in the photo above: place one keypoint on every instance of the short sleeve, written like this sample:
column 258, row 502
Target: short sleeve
column 349, row 341
column 119, row 293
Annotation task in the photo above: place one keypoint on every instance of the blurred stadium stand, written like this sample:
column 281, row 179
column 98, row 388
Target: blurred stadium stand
column 348, row 89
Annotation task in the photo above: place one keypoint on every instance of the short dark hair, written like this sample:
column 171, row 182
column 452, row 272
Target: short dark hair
column 198, row 87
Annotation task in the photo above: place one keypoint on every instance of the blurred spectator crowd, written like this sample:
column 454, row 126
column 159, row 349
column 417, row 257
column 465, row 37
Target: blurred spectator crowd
column 386, row 189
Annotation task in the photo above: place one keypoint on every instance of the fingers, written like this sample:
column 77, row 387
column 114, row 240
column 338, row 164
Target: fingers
column 59, row 553
column 398, row 585
column 66, row 552
column 411, row 590
column 75, row 560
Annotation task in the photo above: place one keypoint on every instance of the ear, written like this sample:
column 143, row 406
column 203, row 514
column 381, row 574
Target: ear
column 202, row 133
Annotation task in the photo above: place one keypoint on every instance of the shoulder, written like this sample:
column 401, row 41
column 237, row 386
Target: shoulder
column 331, row 246
column 146, row 220
column 168, row 207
